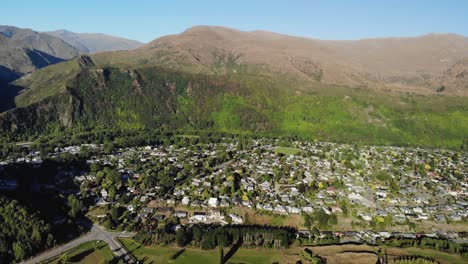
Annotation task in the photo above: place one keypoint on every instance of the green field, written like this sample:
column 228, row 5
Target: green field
column 437, row 255
column 89, row 252
column 158, row 254
column 287, row 150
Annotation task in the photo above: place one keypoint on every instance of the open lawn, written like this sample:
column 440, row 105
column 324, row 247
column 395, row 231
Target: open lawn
column 158, row 254
column 368, row 254
column 437, row 255
column 287, row 150
column 90, row 252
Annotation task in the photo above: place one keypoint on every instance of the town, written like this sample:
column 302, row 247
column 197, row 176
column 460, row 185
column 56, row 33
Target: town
column 362, row 193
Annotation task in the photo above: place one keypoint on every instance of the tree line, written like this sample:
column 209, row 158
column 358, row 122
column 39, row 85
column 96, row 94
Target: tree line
column 210, row 237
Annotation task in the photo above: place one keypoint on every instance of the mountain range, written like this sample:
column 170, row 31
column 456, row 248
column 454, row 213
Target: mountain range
column 22, row 51
column 385, row 91
column 95, row 42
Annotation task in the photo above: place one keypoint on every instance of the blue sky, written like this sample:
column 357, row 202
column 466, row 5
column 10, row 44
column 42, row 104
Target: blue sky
column 145, row 20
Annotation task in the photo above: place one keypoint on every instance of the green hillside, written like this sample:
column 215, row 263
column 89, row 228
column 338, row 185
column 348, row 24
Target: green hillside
column 65, row 95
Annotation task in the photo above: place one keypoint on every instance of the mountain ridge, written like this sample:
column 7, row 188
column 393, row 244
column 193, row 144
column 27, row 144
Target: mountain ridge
column 95, row 42
column 233, row 81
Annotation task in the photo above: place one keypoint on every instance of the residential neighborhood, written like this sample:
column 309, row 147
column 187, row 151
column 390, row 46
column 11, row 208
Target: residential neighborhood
column 391, row 191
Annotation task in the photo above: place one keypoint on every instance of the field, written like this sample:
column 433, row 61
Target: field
column 287, row 150
column 368, row 254
column 157, row 254
column 88, row 253
column 348, row 254
column 252, row 217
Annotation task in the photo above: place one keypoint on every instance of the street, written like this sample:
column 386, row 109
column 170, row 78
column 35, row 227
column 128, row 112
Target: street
column 96, row 233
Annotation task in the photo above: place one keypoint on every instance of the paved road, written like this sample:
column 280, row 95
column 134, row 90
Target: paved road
column 96, row 233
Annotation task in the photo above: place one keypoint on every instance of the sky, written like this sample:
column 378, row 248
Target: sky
column 145, row 20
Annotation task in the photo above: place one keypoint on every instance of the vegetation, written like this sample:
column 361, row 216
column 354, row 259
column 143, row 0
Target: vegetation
column 22, row 232
column 152, row 97
column 430, row 243
column 90, row 252
column 168, row 254
column 210, row 237
column 414, row 260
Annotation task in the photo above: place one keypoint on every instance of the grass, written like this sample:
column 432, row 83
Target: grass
column 287, row 150
column 254, row 256
column 277, row 220
column 437, row 255
column 90, row 252
column 159, row 254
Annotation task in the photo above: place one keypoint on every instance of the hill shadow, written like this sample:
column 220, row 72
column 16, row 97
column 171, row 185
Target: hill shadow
column 8, row 93
column 41, row 59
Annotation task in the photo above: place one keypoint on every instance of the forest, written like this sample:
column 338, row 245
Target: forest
column 22, row 232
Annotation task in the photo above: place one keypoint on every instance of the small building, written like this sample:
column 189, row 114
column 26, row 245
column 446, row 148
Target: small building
column 213, row 202
column 198, row 217
column 180, row 214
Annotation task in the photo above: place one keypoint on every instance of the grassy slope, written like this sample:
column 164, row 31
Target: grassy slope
column 45, row 82
column 247, row 103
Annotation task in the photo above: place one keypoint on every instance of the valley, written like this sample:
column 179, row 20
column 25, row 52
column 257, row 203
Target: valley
column 303, row 132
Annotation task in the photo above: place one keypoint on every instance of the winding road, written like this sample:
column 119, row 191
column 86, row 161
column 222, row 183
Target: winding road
column 96, row 233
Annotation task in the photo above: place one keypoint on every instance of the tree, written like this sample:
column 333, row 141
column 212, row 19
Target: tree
column 221, row 255
column 75, row 206
column 18, row 251
column 307, row 221
column 64, row 259
column 182, row 237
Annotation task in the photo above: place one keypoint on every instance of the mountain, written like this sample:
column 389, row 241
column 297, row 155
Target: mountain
column 95, row 42
column 222, row 79
column 23, row 51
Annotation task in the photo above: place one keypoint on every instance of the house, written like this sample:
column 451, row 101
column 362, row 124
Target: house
column 167, row 211
column 185, row 200
column 148, row 210
column 180, row 214
column 365, row 216
column 455, row 217
column 236, row 219
column 143, row 198
column 307, row 209
column 198, row 217
column 440, row 218
column 224, row 203
column 213, row 202
column 280, row 209
column 142, row 215
column 159, row 217
column 304, row 233
column 215, row 215
column 101, row 202
column 104, row 193
column 293, row 210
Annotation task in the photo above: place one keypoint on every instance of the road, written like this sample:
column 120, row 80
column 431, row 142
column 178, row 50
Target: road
column 96, row 233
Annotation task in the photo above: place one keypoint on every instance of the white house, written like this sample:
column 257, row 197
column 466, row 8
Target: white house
column 185, row 200
column 213, row 202
column 236, row 219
